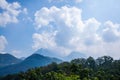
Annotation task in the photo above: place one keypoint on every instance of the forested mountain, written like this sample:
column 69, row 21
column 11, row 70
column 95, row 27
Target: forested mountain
column 7, row 59
column 102, row 68
column 35, row 60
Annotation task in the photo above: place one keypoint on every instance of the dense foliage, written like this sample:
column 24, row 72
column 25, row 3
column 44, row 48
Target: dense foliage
column 102, row 68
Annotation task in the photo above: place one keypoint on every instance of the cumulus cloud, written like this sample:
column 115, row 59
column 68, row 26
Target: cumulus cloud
column 68, row 23
column 65, row 21
column 9, row 13
column 3, row 43
column 111, row 32
column 44, row 40
column 71, row 33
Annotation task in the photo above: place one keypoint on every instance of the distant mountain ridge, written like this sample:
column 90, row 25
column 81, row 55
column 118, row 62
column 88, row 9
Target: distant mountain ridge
column 74, row 55
column 35, row 60
column 7, row 59
column 41, row 57
column 46, row 52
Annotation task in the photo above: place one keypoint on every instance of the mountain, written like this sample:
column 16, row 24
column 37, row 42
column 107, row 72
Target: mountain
column 71, row 56
column 46, row 52
column 35, row 60
column 39, row 60
column 7, row 59
column 74, row 55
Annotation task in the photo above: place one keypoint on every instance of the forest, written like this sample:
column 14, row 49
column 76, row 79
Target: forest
column 102, row 68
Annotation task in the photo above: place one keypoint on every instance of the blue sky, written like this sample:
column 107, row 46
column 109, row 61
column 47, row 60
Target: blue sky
column 91, row 27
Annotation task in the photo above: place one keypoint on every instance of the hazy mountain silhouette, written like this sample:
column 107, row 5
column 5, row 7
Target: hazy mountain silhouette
column 74, row 55
column 46, row 52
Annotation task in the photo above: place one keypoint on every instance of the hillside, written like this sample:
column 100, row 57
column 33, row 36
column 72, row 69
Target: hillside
column 7, row 59
column 35, row 60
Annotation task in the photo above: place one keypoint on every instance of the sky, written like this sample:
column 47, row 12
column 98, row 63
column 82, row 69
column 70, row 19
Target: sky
column 91, row 27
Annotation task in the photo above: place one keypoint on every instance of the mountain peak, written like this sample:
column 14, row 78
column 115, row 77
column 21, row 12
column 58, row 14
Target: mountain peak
column 8, row 59
column 35, row 56
column 7, row 55
column 41, row 51
column 46, row 52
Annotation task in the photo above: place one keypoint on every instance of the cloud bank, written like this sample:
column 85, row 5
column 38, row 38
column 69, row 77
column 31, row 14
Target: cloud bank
column 62, row 29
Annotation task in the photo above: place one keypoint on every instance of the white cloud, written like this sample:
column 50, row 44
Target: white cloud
column 10, row 11
column 90, row 31
column 3, row 43
column 65, row 16
column 44, row 40
column 111, row 32
column 69, row 26
column 66, row 23
column 73, row 34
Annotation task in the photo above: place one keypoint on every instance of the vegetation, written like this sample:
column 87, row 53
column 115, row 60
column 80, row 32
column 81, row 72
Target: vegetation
column 102, row 68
